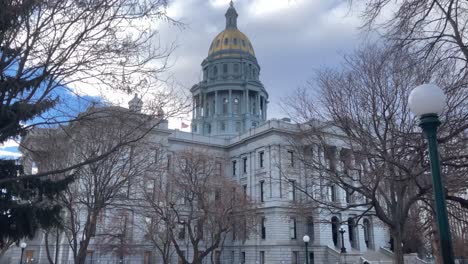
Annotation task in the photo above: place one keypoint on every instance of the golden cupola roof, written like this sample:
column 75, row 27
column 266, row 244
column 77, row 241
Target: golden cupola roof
column 231, row 41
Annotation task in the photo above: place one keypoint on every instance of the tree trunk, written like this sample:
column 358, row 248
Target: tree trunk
column 89, row 231
column 46, row 242
column 397, row 246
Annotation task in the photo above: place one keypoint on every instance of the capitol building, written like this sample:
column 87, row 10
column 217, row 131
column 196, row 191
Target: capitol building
column 230, row 118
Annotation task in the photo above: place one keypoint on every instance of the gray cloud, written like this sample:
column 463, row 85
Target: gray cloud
column 291, row 38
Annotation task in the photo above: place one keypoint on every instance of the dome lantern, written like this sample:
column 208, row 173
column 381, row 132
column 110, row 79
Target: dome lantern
column 231, row 16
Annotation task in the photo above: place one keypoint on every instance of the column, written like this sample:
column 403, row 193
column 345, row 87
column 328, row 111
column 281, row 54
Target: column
column 258, row 104
column 216, row 103
column 230, row 103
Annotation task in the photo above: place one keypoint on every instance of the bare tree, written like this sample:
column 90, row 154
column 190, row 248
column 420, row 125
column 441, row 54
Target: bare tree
column 429, row 26
column 366, row 151
column 197, row 205
column 105, row 184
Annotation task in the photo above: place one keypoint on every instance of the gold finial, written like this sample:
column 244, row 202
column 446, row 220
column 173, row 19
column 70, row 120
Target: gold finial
column 231, row 4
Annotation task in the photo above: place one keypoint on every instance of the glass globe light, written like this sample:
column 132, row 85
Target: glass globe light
column 23, row 245
column 306, row 239
column 427, row 99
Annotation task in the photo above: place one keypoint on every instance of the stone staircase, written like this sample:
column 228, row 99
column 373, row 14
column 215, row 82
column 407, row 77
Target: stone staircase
column 374, row 257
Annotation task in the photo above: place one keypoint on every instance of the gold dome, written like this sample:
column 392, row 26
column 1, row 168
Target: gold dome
column 232, row 41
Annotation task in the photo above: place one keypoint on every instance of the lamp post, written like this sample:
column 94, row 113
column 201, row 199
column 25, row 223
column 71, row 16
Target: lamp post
column 23, row 245
column 342, row 231
column 306, row 240
column 427, row 101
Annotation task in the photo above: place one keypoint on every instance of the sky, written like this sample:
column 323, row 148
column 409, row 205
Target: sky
column 291, row 39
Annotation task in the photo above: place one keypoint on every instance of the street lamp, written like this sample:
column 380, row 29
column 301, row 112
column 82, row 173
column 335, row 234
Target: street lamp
column 342, row 231
column 306, row 240
column 23, row 245
column 427, row 101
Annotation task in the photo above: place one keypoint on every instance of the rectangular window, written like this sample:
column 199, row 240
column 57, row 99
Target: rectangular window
column 292, row 190
column 263, row 228
column 180, row 259
column 234, row 168
column 236, row 68
column 181, row 234
column 292, row 228
column 238, row 126
column 261, row 158
column 244, row 188
column 169, row 159
column 242, row 257
column 245, row 165
column 291, row 158
column 331, row 193
column 295, row 257
column 262, row 194
column 262, row 257
column 147, row 257
column 225, row 68
column 310, row 228
column 232, row 256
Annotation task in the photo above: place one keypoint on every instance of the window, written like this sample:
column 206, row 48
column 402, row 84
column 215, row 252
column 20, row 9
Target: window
column 335, row 222
column 262, row 198
column 295, row 257
column 262, row 257
column 352, row 233
column 232, row 257
column 243, row 42
column 367, row 232
column 147, row 257
column 310, row 228
column 234, row 232
column 207, row 108
column 218, row 257
column 242, row 257
column 331, row 193
column 244, row 188
column 235, row 41
column 291, row 158
column 292, row 190
column 208, row 128
column 245, row 165
column 89, row 257
column 225, row 68
column 217, row 42
column 260, row 158
column 238, row 126
column 181, row 261
column 223, row 126
column 292, row 228
column 29, row 254
column 236, row 68
column 236, row 105
column 234, row 167
column 226, row 41
column 169, row 160
column 215, row 71
column 200, row 229
column 263, row 228
column 181, row 234
column 225, row 105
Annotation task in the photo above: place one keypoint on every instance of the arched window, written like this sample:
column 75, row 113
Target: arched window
column 243, row 42
column 335, row 225
column 352, row 232
column 367, row 232
column 236, row 105
column 226, row 41
column 235, row 41
column 225, row 105
column 217, row 42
